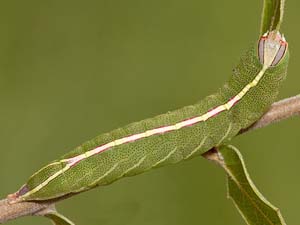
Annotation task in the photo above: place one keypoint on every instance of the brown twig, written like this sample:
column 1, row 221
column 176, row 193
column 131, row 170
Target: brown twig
column 279, row 111
column 12, row 211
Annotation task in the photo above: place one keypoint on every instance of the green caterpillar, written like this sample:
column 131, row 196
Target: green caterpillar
column 171, row 137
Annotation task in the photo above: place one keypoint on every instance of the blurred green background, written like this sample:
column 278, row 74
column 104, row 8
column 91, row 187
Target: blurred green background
column 70, row 70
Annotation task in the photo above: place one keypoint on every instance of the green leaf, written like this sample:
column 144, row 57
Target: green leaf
column 58, row 219
column 272, row 15
column 251, row 204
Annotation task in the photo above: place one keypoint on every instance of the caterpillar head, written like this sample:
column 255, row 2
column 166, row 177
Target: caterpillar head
column 272, row 48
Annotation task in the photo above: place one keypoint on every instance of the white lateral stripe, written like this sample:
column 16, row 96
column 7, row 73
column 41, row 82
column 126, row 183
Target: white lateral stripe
column 106, row 174
column 226, row 134
column 197, row 148
column 186, row 123
column 165, row 158
column 135, row 165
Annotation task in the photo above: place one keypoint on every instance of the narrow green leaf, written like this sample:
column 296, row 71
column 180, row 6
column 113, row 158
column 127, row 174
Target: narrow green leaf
column 58, row 219
column 272, row 15
column 251, row 204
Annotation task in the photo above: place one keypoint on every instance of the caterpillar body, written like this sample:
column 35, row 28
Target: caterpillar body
column 171, row 137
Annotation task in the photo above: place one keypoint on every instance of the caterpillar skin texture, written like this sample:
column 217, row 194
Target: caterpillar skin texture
column 172, row 137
